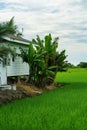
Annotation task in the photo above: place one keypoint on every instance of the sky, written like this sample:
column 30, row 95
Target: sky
column 66, row 19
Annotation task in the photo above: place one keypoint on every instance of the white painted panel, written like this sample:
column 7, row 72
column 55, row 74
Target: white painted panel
column 3, row 77
column 17, row 68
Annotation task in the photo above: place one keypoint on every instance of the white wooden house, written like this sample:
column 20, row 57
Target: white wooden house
column 16, row 67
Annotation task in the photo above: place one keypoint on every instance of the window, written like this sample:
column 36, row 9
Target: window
column 8, row 62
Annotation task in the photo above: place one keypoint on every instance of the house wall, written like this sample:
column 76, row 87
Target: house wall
column 3, row 76
column 16, row 67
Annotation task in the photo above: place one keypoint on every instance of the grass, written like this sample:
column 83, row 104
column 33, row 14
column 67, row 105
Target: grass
column 61, row 109
column 72, row 76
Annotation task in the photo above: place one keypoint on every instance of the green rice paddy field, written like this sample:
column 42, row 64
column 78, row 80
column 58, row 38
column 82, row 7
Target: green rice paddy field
column 62, row 109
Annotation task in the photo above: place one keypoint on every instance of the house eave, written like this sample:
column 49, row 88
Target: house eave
column 13, row 40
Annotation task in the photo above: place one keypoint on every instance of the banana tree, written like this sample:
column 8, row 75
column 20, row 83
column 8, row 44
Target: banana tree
column 35, row 60
column 54, row 60
column 44, row 60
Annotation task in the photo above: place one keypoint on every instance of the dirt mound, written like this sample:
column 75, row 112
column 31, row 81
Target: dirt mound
column 22, row 92
column 11, row 95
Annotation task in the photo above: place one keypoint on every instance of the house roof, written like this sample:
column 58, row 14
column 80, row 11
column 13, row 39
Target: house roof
column 16, row 39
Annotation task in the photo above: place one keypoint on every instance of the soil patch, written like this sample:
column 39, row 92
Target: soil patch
column 22, row 92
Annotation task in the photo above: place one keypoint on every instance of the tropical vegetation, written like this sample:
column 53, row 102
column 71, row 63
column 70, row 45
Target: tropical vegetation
column 44, row 60
column 8, row 27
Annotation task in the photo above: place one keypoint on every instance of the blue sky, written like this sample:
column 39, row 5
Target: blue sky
column 64, row 18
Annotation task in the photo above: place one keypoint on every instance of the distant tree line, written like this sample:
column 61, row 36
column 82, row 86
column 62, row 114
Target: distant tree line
column 82, row 65
column 69, row 65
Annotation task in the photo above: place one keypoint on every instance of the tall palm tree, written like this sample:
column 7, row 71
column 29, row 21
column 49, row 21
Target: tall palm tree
column 8, row 28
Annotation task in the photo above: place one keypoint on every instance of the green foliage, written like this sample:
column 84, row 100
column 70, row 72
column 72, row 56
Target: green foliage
column 62, row 109
column 82, row 65
column 44, row 60
column 8, row 28
column 34, row 57
column 69, row 65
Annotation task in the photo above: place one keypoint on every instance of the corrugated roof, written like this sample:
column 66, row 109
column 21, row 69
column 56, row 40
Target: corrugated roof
column 13, row 37
column 17, row 39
